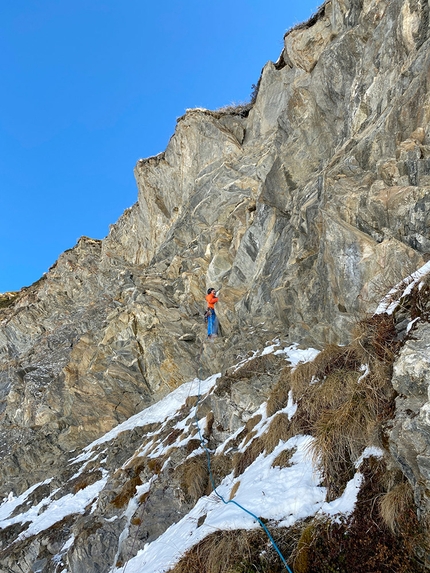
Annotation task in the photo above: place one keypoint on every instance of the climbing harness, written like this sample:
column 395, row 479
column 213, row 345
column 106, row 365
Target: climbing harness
column 208, row 458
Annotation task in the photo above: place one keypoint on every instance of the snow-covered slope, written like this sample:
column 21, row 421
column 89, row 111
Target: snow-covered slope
column 279, row 495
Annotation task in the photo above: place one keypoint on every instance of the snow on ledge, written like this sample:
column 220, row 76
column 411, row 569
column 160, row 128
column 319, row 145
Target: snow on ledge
column 392, row 300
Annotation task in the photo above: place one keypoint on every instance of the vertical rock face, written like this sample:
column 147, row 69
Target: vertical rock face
column 299, row 206
column 410, row 435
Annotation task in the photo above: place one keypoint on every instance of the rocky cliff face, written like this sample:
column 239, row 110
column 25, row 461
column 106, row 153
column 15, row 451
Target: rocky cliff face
column 305, row 207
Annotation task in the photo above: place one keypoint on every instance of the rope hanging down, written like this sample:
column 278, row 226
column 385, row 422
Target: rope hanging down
column 226, row 502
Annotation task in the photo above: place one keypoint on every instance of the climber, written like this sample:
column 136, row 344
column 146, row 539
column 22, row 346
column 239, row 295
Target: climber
column 210, row 315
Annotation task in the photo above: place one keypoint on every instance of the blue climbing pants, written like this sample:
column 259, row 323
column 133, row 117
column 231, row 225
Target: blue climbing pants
column 212, row 323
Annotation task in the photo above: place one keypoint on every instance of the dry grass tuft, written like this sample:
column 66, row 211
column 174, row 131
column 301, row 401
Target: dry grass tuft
column 142, row 499
column 278, row 397
column 249, row 437
column 241, row 109
column 192, row 445
column 279, row 429
column 302, row 551
column 127, row 492
column 191, row 401
column 338, row 404
column 221, row 466
column 172, row 437
column 283, row 460
column 195, row 476
column 136, row 464
column 234, row 490
column 242, row 460
column 252, row 422
column 155, row 464
column 376, row 338
column 210, row 418
column 224, row 552
column 395, row 504
column 85, row 480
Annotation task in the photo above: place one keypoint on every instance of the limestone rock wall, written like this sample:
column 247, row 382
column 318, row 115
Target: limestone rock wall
column 302, row 207
column 410, row 437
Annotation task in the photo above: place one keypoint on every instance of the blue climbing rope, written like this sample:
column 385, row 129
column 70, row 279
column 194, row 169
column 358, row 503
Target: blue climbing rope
column 226, row 502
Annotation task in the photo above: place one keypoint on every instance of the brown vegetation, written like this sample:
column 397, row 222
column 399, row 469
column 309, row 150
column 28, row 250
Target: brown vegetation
column 395, row 505
column 221, row 466
column 234, row 490
column 127, row 492
column 85, row 480
column 339, row 403
column 361, row 542
column 242, row 460
column 283, row 460
column 252, row 422
column 237, row 552
column 278, row 398
column 194, row 476
column 279, row 429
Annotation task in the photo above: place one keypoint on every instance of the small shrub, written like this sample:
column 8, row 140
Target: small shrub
column 7, row 299
column 254, row 93
column 241, row 109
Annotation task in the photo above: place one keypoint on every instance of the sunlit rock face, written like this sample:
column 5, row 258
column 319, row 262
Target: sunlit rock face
column 303, row 207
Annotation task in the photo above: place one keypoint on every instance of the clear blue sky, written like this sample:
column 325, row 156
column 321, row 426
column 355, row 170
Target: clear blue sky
column 91, row 86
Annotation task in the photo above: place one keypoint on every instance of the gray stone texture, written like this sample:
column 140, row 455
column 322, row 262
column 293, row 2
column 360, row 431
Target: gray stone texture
column 304, row 208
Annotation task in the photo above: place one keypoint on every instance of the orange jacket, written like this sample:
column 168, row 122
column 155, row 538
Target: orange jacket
column 211, row 300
